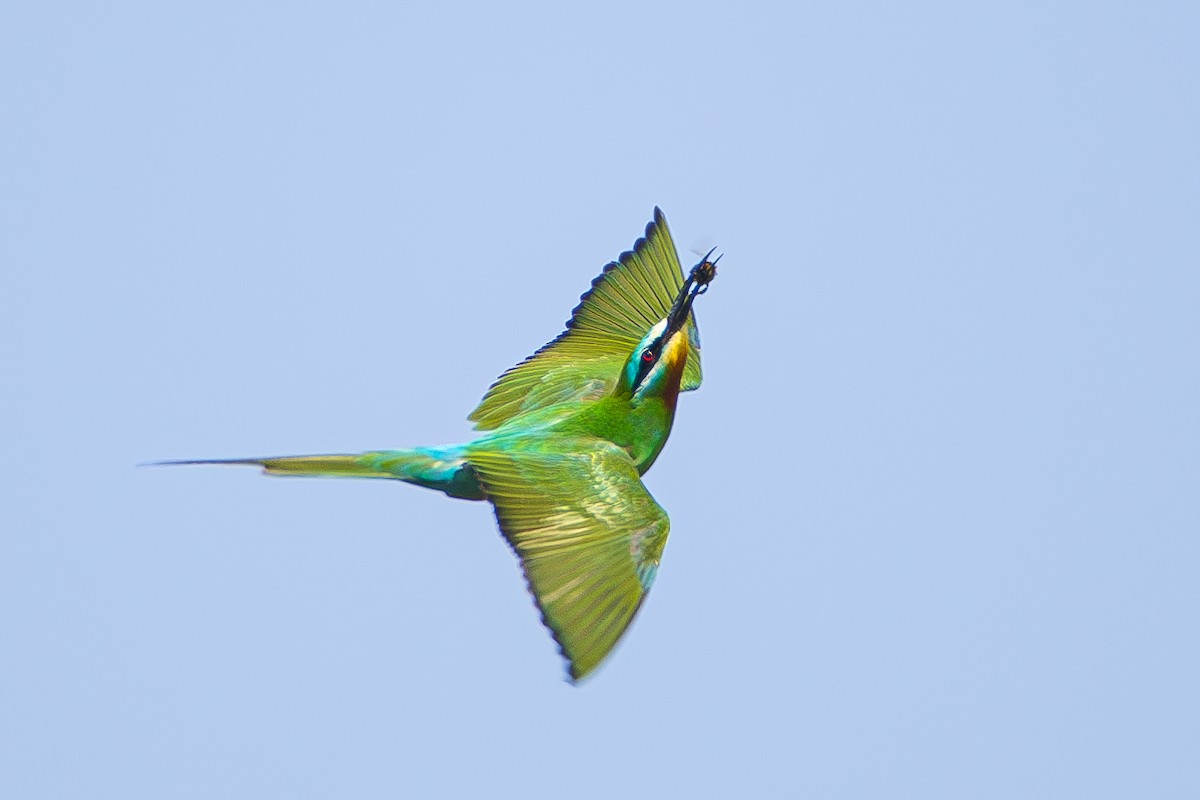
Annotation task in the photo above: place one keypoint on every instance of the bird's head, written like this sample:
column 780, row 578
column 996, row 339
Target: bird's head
column 655, row 366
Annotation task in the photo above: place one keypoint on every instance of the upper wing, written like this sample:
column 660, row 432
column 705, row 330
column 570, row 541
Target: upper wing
column 587, row 532
column 625, row 301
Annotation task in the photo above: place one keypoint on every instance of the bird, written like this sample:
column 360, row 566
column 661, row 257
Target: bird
column 565, row 438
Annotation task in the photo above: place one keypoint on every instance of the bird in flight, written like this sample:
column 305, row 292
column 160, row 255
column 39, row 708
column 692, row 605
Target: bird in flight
column 565, row 437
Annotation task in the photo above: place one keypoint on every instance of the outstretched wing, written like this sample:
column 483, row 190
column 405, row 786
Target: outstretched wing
column 625, row 301
column 587, row 532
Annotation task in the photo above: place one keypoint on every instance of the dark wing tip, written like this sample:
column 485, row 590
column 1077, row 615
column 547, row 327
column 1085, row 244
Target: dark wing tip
column 620, row 260
column 660, row 219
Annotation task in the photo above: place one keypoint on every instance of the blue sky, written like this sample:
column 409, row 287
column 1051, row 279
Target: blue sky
column 935, row 522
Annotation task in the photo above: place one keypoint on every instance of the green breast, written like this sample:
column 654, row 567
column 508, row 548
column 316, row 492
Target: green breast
column 641, row 430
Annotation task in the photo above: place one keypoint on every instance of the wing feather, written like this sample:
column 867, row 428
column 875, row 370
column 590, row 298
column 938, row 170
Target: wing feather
column 588, row 535
column 630, row 296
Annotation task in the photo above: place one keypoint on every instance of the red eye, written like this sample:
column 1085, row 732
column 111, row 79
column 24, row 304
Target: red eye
column 648, row 356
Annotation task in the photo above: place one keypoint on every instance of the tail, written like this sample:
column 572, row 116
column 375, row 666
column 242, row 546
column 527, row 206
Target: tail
column 441, row 468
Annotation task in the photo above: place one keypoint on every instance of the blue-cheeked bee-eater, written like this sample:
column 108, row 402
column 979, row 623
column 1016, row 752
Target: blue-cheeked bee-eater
column 566, row 436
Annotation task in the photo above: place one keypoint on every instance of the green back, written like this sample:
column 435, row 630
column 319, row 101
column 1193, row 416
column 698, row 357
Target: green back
column 631, row 295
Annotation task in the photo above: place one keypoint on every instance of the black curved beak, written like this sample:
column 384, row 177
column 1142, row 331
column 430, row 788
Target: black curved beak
column 696, row 284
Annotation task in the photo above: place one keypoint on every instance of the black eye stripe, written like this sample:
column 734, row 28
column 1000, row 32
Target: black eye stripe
column 646, row 360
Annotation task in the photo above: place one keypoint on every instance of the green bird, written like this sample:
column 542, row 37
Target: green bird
column 567, row 435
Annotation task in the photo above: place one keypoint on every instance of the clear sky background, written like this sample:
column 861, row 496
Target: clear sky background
column 935, row 511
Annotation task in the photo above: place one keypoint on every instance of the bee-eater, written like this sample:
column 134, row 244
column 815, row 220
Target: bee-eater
column 568, row 433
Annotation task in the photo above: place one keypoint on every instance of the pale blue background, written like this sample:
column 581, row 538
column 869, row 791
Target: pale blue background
column 935, row 511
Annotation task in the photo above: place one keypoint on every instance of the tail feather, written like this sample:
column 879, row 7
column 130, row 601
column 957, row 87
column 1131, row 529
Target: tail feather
column 350, row 466
column 434, row 468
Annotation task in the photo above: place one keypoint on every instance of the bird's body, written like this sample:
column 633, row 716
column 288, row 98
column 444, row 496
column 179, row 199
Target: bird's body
column 567, row 435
